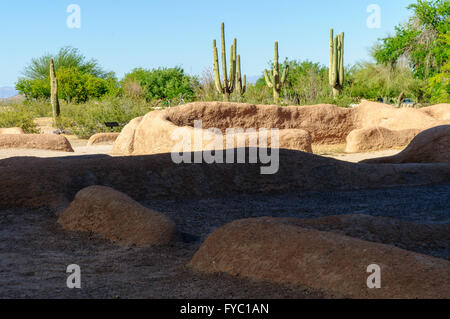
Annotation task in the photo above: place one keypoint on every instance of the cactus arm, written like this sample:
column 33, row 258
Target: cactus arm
column 330, row 70
column 216, row 69
column 224, row 59
column 244, row 84
column 334, row 70
column 268, row 79
column 341, row 60
column 232, row 80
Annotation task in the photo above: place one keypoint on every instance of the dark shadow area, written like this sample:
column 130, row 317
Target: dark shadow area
column 37, row 182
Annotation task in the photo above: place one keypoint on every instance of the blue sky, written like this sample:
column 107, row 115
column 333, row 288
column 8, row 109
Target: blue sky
column 123, row 35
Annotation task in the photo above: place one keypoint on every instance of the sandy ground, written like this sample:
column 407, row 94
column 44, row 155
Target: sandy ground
column 80, row 149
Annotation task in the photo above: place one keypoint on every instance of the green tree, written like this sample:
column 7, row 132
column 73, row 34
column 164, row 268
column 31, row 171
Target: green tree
column 79, row 79
column 67, row 57
column 420, row 39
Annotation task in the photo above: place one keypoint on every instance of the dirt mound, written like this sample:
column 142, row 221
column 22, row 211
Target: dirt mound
column 427, row 239
column 272, row 250
column 157, row 176
column 159, row 131
column 124, row 143
column 327, row 124
column 117, row 217
column 51, row 142
column 440, row 112
column 12, row 130
column 103, row 138
column 430, row 146
column 378, row 138
column 372, row 114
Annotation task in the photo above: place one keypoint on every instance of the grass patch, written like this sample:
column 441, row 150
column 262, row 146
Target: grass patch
column 328, row 149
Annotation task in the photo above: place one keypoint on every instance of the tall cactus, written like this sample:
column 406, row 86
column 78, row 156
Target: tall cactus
column 226, row 85
column 336, row 71
column 273, row 79
column 241, row 82
column 54, row 92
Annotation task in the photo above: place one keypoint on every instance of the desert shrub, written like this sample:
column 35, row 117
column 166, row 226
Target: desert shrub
column 170, row 85
column 372, row 81
column 76, row 86
column 205, row 88
column 88, row 118
column 17, row 115
column 39, row 108
column 132, row 89
column 306, row 83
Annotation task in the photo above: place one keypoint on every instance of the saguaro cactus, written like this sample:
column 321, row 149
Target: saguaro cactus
column 226, row 85
column 241, row 82
column 54, row 91
column 336, row 72
column 273, row 79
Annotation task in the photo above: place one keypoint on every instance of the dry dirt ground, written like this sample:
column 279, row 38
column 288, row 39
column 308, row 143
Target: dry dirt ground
column 35, row 251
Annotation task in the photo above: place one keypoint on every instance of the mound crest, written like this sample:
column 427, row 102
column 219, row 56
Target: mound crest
column 50, row 142
column 378, row 138
column 118, row 218
column 430, row 146
column 12, row 130
column 102, row 138
column 278, row 251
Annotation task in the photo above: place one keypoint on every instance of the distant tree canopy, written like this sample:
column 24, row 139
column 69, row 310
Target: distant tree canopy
column 422, row 40
column 159, row 84
column 78, row 79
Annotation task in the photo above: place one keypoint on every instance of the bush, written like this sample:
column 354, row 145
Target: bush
column 167, row 84
column 85, row 120
column 17, row 115
column 372, row 81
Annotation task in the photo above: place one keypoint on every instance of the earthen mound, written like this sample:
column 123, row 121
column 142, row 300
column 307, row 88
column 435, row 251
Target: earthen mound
column 102, row 138
column 12, row 130
column 426, row 239
column 378, row 138
column 430, row 146
column 272, row 250
column 327, row 124
column 159, row 131
column 51, row 142
column 124, row 144
column 115, row 216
